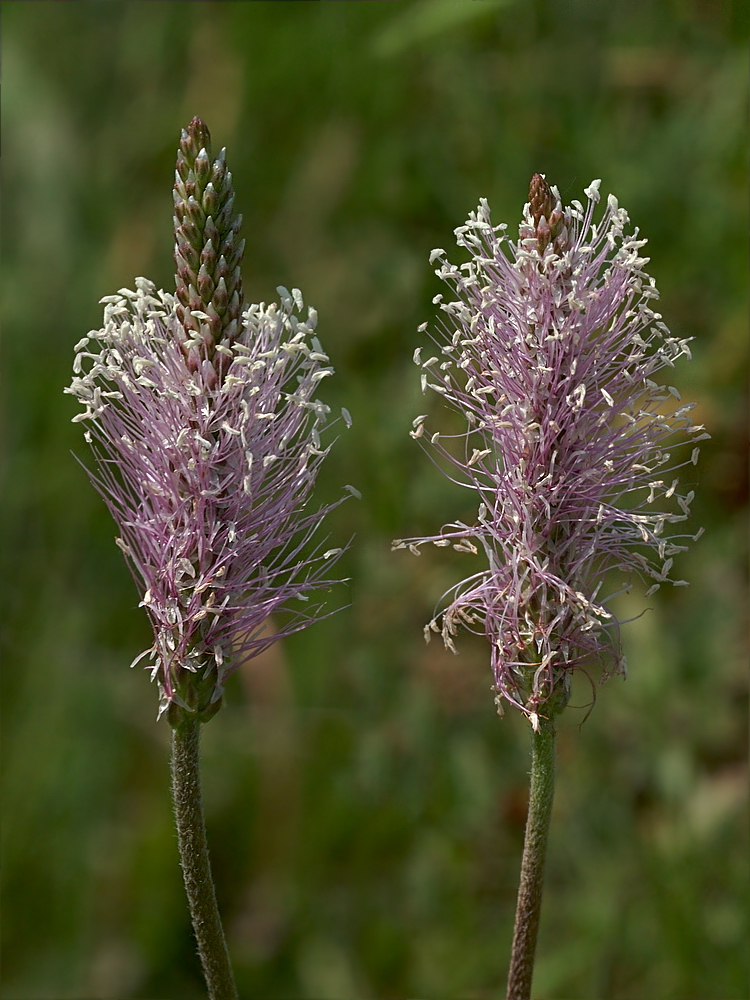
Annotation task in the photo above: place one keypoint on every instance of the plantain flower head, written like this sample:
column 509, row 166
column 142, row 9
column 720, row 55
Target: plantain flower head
column 550, row 352
column 208, row 433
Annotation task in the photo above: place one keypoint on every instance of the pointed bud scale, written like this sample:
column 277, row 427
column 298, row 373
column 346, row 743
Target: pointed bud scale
column 233, row 253
column 221, row 299
column 211, row 233
column 186, row 251
column 209, row 375
column 208, row 256
column 210, row 200
column 189, row 231
column 196, row 213
column 213, row 316
column 222, row 268
column 233, row 306
column 202, row 168
column 219, row 167
column 193, row 360
column 229, row 242
column 205, row 284
column 543, row 233
column 226, row 216
column 207, row 333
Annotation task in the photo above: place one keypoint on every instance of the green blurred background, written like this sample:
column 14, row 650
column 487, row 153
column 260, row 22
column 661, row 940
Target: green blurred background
column 365, row 804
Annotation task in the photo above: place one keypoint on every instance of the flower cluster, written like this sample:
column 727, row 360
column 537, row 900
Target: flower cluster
column 549, row 352
column 208, row 436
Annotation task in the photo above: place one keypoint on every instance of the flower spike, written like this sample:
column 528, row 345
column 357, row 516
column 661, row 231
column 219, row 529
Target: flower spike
column 208, row 435
column 550, row 351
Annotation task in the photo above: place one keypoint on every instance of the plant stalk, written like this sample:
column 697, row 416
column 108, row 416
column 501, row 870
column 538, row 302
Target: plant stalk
column 529, row 905
column 195, row 862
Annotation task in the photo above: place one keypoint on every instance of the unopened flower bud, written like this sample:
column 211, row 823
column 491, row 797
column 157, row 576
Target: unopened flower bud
column 196, row 213
column 221, row 299
column 202, row 167
column 219, row 171
column 546, row 212
column 205, row 284
column 541, row 199
column 209, row 375
column 222, row 268
column 193, row 359
column 211, row 233
column 208, row 256
column 210, row 200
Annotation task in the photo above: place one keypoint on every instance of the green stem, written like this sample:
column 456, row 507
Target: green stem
column 196, row 866
column 529, row 903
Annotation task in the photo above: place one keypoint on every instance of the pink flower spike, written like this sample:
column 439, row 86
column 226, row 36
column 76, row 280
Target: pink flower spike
column 208, row 435
column 550, row 352
column 209, row 483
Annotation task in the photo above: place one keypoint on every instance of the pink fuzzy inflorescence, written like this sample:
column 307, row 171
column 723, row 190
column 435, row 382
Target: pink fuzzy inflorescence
column 208, row 434
column 209, row 483
column 549, row 352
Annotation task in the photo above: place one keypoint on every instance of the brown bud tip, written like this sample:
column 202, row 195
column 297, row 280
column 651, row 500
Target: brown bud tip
column 541, row 199
column 198, row 132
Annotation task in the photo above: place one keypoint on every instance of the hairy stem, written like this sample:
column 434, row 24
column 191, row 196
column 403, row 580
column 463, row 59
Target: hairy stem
column 196, row 866
column 529, row 903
